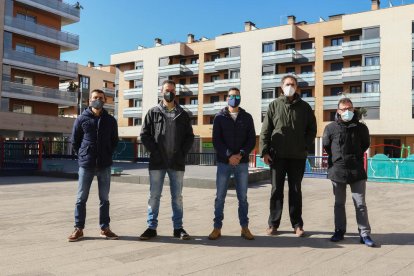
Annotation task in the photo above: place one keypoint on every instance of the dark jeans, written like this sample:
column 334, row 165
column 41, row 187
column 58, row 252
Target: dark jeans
column 294, row 168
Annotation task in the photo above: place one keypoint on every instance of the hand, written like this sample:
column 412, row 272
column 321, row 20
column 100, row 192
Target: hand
column 267, row 159
column 234, row 160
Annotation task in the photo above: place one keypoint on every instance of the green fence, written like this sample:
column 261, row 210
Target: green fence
column 381, row 168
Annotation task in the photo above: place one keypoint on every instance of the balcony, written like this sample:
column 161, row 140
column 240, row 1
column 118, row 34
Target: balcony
column 192, row 109
column 62, row 69
column 362, row 73
column 208, row 88
column 109, row 91
column 132, row 112
column 289, row 55
column 224, row 85
column 38, row 93
column 68, row 41
column 358, row 99
column 133, row 74
column 209, row 67
column 304, row 80
column 213, row 108
column 227, row 63
column 178, row 69
column 332, row 52
column 134, row 93
column 361, row 47
column 68, row 12
column 332, row 77
column 187, row 89
column 109, row 106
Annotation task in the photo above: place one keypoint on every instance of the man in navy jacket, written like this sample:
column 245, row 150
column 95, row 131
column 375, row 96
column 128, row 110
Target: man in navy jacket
column 94, row 139
column 234, row 138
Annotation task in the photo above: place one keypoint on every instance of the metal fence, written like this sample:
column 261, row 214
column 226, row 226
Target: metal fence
column 19, row 155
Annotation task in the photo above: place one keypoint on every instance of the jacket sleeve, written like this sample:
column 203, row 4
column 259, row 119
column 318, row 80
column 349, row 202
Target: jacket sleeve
column 189, row 136
column 327, row 141
column 147, row 135
column 114, row 135
column 365, row 141
column 218, row 143
column 77, row 135
column 266, row 132
column 311, row 129
column 251, row 137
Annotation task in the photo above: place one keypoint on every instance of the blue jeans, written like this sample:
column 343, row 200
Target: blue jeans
column 241, row 175
column 176, row 188
column 85, row 180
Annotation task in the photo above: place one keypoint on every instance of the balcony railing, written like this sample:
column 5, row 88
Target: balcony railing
column 133, row 74
column 38, row 93
column 360, row 47
column 61, row 8
column 208, row 88
column 332, row 77
column 109, row 91
column 187, row 89
column 192, row 108
column 306, row 79
column 134, row 93
column 224, row 85
column 132, row 112
column 209, row 67
column 110, row 106
column 227, row 63
column 40, row 63
column 332, row 52
column 289, row 55
column 17, row 25
column 358, row 99
column 178, row 69
column 361, row 73
column 213, row 108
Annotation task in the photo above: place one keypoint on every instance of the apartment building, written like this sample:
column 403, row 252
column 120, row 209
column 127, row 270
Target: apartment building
column 89, row 77
column 366, row 56
column 32, row 41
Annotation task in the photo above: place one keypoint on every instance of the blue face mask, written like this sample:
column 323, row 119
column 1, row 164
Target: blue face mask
column 347, row 116
column 234, row 100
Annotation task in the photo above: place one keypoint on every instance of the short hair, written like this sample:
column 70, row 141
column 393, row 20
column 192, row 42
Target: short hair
column 235, row 89
column 97, row 91
column 289, row 76
column 167, row 82
column 344, row 101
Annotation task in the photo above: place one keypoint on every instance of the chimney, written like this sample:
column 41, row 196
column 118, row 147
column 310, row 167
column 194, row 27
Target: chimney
column 249, row 26
column 291, row 19
column 375, row 5
column 140, row 47
column 190, row 38
column 158, row 42
column 91, row 64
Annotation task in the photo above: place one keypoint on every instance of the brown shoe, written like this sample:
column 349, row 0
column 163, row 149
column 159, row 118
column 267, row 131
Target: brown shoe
column 299, row 232
column 245, row 233
column 271, row 231
column 215, row 234
column 76, row 235
column 108, row 234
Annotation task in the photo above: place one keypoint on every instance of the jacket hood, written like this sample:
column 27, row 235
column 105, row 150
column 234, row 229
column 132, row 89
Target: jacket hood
column 88, row 112
column 296, row 98
column 225, row 111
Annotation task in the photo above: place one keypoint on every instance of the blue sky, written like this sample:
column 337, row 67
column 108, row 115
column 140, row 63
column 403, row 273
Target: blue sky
column 112, row 26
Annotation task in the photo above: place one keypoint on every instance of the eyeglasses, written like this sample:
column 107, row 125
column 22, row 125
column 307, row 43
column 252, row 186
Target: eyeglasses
column 346, row 108
column 237, row 97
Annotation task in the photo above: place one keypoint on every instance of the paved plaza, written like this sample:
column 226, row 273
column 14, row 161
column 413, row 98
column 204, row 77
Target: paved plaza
column 36, row 216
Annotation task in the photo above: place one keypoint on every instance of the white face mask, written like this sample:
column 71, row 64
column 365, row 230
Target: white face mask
column 288, row 91
column 347, row 116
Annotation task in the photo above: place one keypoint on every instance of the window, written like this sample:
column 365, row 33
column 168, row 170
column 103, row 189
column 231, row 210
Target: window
column 161, row 80
column 290, row 46
column 139, row 65
column 268, row 70
column 138, row 84
column 164, row 61
column 355, row 89
column 371, row 33
column 354, row 37
column 194, row 100
column 194, row 80
column 194, row 61
column 214, row 57
column 182, row 81
column 19, row 108
column 214, row 99
column 234, row 52
column 306, row 45
column 25, row 48
column 26, row 17
column 182, row 61
column 211, row 120
column 84, row 83
column 306, row 93
column 268, row 47
column 337, row 41
column 290, row 69
column 268, row 94
column 214, row 78
column 234, row 74
column 28, row 80
column 337, row 66
column 137, row 103
column 392, row 152
column 372, row 61
column 137, row 122
column 306, row 69
column 372, row 87
column 226, row 76
column 181, row 101
column 355, row 63
column 335, row 91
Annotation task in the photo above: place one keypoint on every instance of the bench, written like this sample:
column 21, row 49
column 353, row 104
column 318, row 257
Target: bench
column 116, row 170
column 55, row 167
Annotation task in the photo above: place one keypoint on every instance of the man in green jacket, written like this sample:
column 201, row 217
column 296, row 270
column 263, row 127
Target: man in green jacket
column 288, row 131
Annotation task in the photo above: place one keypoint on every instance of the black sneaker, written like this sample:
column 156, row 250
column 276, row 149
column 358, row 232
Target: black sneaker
column 181, row 234
column 337, row 236
column 148, row 234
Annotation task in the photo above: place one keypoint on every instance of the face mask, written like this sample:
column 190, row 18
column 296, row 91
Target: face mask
column 234, row 101
column 97, row 104
column 288, row 91
column 169, row 96
column 347, row 116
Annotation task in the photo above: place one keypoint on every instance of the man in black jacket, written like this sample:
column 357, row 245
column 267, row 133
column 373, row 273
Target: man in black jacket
column 168, row 135
column 234, row 138
column 345, row 141
column 94, row 139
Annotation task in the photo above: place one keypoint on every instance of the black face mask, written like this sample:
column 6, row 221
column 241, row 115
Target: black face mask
column 169, row 96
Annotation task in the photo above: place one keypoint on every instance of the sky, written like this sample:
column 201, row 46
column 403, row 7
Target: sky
column 112, row 26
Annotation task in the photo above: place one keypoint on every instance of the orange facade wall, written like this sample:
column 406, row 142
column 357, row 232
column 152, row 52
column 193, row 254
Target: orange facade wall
column 38, row 79
column 37, row 107
column 42, row 17
column 41, row 48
